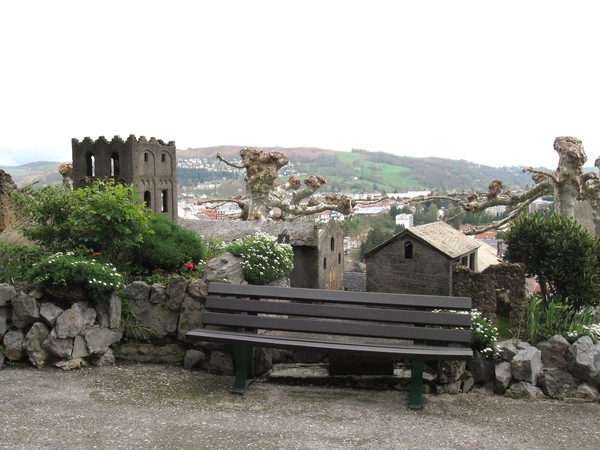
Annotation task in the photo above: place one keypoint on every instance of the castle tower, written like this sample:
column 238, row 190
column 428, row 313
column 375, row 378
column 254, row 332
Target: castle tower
column 149, row 165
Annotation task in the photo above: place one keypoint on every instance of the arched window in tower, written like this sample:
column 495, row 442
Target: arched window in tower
column 408, row 250
column 115, row 170
column 324, row 263
column 165, row 200
column 332, row 244
column 148, row 199
column 163, row 157
column 90, row 164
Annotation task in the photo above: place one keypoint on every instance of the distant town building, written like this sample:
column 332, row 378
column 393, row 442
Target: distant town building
column 405, row 219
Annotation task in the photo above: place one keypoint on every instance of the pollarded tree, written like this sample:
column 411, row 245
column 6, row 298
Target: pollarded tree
column 560, row 254
column 568, row 184
column 265, row 199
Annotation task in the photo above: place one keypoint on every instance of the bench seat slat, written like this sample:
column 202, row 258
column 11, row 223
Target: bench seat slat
column 337, row 312
column 338, row 327
column 395, row 351
column 348, row 297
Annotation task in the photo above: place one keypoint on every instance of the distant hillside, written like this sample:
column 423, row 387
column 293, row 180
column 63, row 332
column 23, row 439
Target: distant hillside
column 42, row 172
column 360, row 170
column 356, row 171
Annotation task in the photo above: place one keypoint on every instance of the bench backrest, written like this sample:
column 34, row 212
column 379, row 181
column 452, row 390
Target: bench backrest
column 365, row 314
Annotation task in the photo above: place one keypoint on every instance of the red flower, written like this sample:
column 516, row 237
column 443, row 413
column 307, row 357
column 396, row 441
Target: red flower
column 189, row 265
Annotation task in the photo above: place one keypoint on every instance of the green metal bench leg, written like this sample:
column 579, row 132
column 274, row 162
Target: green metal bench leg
column 244, row 368
column 416, row 385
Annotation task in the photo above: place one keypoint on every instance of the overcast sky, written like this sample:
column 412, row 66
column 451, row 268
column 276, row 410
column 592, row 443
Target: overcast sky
column 490, row 82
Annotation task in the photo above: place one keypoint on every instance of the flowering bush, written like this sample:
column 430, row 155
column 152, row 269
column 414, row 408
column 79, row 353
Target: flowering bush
column 67, row 269
column 264, row 259
column 484, row 335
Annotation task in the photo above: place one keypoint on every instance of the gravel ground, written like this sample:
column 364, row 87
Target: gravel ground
column 156, row 406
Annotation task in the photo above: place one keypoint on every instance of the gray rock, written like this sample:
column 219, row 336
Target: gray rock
column 197, row 289
column 584, row 393
column 71, row 364
column 527, row 365
column 525, row 391
column 50, row 312
column 109, row 312
column 583, row 358
column 190, row 316
column 60, row 347
column 1, row 358
column 193, row 358
column 5, row 314
column 450, row 371
column 503, row 377
column 506, row 350
column 80, row 349
column 553, row 352
column 32, row 344
column 467, row 385
column 481, row 368
column 106, row 359
column 98, row 340
column 25, row 310
column 449, row 388
column 176, row 290
column 13, row 345
column 138, row 291
column 555, row 383
column 225, row 269
column 88, row 314
column 220, row 363
column 522, row 345
column 158, row 321
column 158, row 294
column 68, row 324
column 7, row 294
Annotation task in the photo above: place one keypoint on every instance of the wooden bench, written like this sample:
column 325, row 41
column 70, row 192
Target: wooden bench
column 365, row 323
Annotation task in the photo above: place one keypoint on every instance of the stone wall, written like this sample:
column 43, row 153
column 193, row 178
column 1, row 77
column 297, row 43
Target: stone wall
column 498, row 289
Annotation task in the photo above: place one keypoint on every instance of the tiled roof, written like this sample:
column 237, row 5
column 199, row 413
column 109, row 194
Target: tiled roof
column 446, row 239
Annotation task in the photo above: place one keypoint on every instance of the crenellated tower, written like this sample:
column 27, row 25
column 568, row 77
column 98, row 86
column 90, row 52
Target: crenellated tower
column 150, row 165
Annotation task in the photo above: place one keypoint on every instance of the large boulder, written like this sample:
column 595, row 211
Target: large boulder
column 503, row 377
column 154, row 317
column 7, row 294
column 59, row 347
column 49, row 312
column 225, row 269
column 527, row 365
column 481, row 368
column 553, row 352
column 525, row 391
column 5, row 315
column 556, row 383
column 109, row 312
column 68, row 324
column 98, row 340
column 13, row 345
column 32, row 344
column 25, row 310
column 583, row 359
column 506, row 350
column 192, row 308
column 176, row 290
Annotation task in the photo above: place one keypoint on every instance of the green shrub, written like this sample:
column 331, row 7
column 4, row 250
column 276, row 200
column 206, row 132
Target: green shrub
column 546, row 319
column 168, row 246
column 15, row 261
column 68, row 270
column 264, row 259
column 105, row 217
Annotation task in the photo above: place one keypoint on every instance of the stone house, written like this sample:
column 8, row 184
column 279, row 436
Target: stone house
column 420, row 260
column 150, row 165
column 318, row 247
